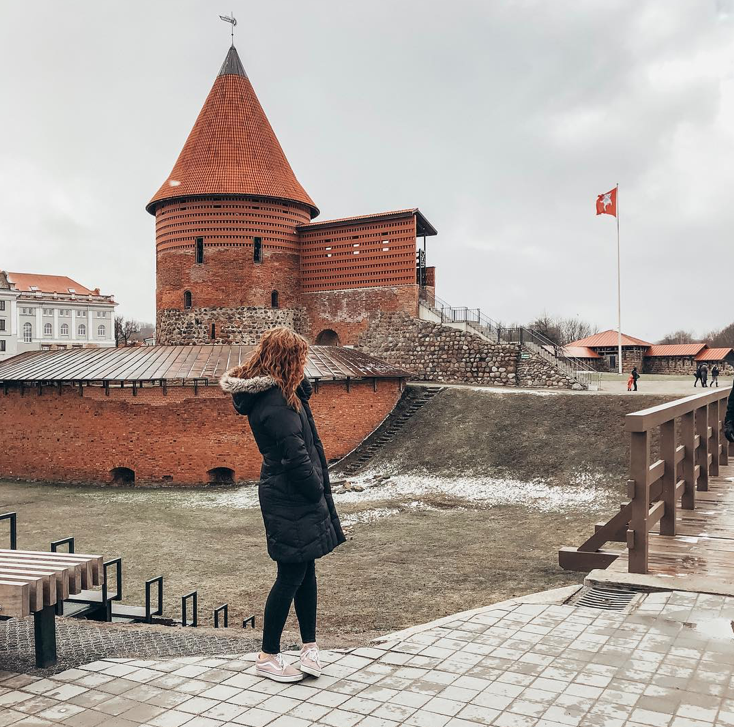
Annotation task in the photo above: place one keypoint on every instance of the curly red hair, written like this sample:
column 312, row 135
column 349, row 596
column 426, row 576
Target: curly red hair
column 280, row 354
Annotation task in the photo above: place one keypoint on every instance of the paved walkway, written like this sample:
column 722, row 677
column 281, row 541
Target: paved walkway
column 666, row 660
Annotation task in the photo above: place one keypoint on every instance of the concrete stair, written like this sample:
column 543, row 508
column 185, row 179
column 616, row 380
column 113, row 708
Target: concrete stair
column 413, row 400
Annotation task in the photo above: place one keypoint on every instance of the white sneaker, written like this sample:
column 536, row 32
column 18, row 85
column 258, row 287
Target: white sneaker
column 311, row 661
column 275, row 667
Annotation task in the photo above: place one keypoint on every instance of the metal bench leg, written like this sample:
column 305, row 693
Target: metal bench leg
column 44, row 625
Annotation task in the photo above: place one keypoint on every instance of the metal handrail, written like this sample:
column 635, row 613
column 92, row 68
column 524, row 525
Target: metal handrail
column 534, row 340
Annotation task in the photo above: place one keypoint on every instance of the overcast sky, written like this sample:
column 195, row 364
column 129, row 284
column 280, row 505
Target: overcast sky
column 502, row 120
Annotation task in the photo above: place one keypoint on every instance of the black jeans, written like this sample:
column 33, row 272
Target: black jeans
column 296, row 582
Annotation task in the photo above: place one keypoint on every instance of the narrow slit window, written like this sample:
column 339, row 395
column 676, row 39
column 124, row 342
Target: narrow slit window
column 257, row 250
column 187, row 299
column 274, row 302
column 199, row 249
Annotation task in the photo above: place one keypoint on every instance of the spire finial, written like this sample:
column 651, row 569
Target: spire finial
column 232, row 21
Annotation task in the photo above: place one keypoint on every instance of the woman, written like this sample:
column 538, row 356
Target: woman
column 301, row 523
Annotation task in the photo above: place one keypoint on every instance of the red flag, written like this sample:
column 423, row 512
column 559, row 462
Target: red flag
column 606, row 204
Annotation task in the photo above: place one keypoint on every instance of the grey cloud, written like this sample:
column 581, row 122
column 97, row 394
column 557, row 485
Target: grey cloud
column 502, row 120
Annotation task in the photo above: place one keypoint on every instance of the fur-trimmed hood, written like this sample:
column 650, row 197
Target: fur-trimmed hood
column 233, row 385
column 245, row 391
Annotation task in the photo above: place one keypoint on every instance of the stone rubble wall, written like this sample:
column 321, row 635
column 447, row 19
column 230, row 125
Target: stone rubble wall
column 537, row 373
column 231, row 325
column 434, row 352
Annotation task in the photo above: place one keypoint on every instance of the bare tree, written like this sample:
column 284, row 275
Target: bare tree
column 678, row 337
column 547, row 326
column 723, row 338
column 574, row 329
column 125, row 329
column 562, row 331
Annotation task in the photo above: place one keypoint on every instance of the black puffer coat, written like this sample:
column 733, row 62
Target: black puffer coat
column 301, row 522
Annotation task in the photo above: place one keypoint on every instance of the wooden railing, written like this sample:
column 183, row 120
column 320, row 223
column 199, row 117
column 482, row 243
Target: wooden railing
column 691, row 448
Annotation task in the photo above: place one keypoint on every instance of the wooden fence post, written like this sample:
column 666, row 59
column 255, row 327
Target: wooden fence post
column 669, row 480
column 702, row 453
column 637, row 535
column 715, row 424
column 723, row 403
column 688, row 435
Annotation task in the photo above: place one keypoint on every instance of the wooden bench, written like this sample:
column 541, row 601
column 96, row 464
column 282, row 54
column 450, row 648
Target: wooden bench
column 32, row 582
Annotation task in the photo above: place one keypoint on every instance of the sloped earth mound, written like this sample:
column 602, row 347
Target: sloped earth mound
column 479, row 448
column 476, row 495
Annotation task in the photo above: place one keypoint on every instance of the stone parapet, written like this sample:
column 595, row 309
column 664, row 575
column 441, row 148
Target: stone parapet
column 434, row 352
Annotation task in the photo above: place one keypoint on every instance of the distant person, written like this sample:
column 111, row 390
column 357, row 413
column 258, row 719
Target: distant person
column 697, row 375
column 704, row 375
column 301, row 523
column 630, row 382
column 635, row 375
column 715, row 375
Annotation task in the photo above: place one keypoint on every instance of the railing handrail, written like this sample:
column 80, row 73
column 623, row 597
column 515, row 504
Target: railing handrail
column 491, row 328
column 689, row 454
column 642, row 421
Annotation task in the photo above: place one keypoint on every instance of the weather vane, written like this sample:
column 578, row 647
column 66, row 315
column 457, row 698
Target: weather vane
column 232, row 21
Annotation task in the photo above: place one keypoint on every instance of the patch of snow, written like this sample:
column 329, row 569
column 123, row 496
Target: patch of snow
column 367, row 516
column 507, row 390
column 378, row 513
column 480, row 491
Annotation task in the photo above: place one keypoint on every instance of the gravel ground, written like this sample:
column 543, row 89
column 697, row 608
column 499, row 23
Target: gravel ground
column 81, row 642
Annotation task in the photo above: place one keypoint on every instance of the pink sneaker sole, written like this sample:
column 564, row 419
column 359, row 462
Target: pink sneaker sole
column 312, row 671
column 277, row 677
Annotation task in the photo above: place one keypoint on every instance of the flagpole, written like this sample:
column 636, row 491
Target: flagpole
column 619, row 291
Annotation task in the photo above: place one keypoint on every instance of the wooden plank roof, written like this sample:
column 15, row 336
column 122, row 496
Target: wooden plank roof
column 179, row 363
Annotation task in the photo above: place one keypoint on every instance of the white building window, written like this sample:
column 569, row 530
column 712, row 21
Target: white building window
column 2, row 346
column 101, row 330
column 27, row 333
column 65, row 312
column 2, row 324
column 48, row 329
column 27, row 311
column 101, row 314
column 48, row 311
column 82, row 330
column 2, row 305
column 81, row 314
column 64, row 330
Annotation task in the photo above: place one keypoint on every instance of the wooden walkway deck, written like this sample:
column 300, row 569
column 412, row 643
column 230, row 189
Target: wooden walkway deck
column 701, row 554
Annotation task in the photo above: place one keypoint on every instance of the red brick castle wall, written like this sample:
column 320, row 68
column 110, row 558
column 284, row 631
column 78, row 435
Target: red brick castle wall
column 172, row 439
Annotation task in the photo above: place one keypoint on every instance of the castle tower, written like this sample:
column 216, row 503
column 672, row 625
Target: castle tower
column 227, row 247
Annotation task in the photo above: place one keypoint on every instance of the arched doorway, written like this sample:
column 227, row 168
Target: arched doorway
column 122, row 476
column 327, row 337
column 221, row 476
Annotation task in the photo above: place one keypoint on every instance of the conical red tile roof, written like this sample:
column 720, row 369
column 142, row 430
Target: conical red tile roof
column 232, row 148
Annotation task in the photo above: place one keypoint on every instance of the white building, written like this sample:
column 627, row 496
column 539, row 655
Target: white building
column 40, row 312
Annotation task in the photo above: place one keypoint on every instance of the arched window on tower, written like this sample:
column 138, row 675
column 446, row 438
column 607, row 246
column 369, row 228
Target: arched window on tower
column 187, row 299
column 274, row 300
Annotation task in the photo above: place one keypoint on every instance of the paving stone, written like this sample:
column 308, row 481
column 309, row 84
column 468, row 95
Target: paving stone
column 340, row 718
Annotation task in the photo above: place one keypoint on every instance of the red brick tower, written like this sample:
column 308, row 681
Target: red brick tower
column 227, row 247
